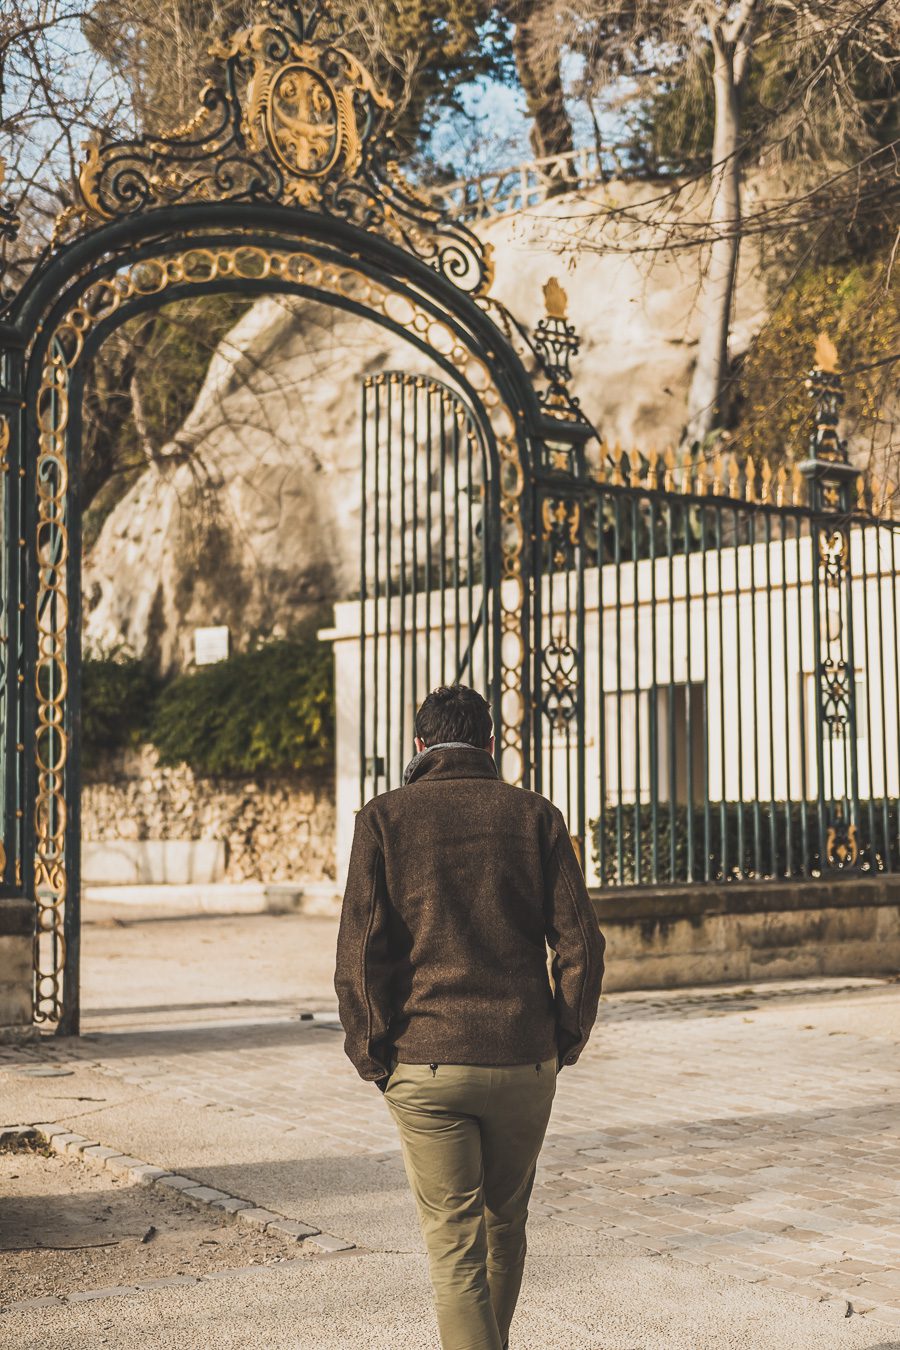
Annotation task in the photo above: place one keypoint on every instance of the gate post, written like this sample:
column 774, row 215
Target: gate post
column 558, row 503
column 17, row 914
column 831, row 479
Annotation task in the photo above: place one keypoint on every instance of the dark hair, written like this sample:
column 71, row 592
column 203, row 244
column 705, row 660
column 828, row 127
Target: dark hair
column 454, row 713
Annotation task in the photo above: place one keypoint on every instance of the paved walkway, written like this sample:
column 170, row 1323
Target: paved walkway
column 748, row 1136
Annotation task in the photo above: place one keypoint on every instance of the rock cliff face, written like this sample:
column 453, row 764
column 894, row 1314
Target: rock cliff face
column 254, row 517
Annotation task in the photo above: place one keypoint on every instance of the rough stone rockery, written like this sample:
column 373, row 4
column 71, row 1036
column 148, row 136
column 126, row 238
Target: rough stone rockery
column 274, row 829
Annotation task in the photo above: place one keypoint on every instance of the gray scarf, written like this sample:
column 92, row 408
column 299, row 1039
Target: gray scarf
column 441, row 745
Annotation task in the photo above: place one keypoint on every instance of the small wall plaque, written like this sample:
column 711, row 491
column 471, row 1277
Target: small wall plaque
column 211, row 645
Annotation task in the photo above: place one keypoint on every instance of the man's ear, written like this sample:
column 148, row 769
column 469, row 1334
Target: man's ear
column 420, row 744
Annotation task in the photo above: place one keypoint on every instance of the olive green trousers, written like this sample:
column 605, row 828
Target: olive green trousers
column 471, row 1138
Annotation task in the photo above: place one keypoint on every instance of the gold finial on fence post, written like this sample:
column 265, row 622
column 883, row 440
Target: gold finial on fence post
column 702, row 481
column 750, row 480
column 618, row 478
column 687, row 472
column 765, row 494
column 861, row 503
column 734, row 476
column 652, row 469
column 637, row 467
column 798, row 487
column 669, row 475
column 600, row 471
column 718, row 483
column 781, row 479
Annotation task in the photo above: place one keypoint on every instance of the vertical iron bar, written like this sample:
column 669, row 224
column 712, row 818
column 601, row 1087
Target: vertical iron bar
column 773, row 829
column 653, row 707
column 742, row 862
column 688, row 700
column 757, row 815
column 851, row 748
column 470, row 557
column 414, row 577
column 617, row 554
column 882, row 738
column 867, row 666
column 723, row 806
column 443, row 557
column 363, row 550
column 403, row 389
column 789, row 809
column 819, row 731
column 580, row 671
column 804, row 711
column 457, row 424
column 895, row 597
column 707, row 809
column 541, row 575
column 429, row 526
column 670, row 728
column 638, row 832
column 601, row 687
column 389, row 586
column 376, row 594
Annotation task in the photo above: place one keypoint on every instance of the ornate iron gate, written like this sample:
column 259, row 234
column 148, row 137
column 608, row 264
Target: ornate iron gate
column 429, row 594
column 275, row 186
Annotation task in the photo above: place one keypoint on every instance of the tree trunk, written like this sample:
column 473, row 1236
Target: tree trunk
column 718, row 281
column 538, row 65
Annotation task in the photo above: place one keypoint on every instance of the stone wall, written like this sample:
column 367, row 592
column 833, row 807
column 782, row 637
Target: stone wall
column 672, row 938
column 274, row 828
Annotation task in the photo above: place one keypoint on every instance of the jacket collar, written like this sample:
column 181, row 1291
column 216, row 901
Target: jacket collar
column 452, row 759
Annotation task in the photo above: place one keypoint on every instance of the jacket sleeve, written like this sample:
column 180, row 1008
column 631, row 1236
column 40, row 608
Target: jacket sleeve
column 577, row 945
column 363, row 970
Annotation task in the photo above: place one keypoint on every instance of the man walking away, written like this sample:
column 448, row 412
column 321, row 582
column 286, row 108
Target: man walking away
column 457, row 883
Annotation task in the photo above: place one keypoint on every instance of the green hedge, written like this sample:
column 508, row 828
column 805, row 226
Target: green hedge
column 264, row 711
column 733, row 833
column 117, row 703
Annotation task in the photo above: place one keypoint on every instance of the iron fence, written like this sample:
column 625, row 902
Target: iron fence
column 719, row 672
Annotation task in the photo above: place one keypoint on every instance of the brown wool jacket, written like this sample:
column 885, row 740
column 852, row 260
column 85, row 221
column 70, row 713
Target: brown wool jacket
column 457, row 883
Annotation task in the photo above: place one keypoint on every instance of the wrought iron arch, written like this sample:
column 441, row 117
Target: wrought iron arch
column 282, row 182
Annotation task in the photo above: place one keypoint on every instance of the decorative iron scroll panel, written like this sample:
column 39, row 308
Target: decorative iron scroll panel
column 719, row 683
column 429, row 563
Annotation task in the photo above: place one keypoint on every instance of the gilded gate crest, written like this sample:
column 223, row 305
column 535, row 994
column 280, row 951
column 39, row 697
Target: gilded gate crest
column 292, row 112
column 294, row 117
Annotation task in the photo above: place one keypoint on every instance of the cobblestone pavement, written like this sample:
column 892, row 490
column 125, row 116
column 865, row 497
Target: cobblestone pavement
column 754, row 1132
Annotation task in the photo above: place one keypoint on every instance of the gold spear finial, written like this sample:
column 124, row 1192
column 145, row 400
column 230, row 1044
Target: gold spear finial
column 556, row 301
column 670, row 462
column 765, row 480
column 826, row 354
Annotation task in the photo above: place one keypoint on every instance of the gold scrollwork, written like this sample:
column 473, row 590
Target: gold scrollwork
column 841, row 846
column 101, row 300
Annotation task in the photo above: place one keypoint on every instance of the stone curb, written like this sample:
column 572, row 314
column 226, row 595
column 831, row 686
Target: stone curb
column 62, row 1140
